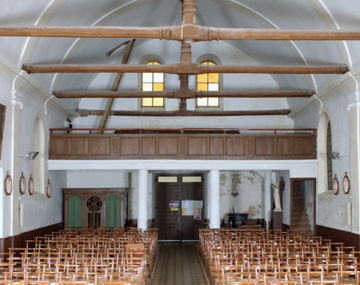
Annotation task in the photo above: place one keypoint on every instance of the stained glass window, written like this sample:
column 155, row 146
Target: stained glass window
column 150, row 82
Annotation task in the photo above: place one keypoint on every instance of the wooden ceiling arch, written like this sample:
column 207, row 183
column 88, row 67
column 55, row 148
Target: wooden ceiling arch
column 188, row 32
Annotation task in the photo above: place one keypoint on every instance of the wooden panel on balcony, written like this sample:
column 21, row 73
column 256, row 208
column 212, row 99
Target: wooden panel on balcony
column 284, row 146
column 100, row 146
column 148, row 146
column 197, row 146
column 216, row 146
column 235, row 146
column 129, row 146
column 264, row 146
column 168, row 146
column 60, row 146
column 182, row 144
column 304, row 146
column 80, row 146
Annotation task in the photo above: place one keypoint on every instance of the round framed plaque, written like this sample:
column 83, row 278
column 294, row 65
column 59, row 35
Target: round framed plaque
column 8, row 184
column 336, row 185
column 22, row 184
column 346, row 184
column 48, row 189
column 31, row 185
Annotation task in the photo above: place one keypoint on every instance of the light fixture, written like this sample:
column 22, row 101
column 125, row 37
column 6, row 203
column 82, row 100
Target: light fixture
column 334, row 155
column 31, row 155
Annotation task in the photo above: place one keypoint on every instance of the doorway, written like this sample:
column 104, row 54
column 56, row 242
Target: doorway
column 179, row 206
column 303, row 204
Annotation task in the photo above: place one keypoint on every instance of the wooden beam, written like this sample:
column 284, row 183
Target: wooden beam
column 185, row 32
column 181, row 94
column 115, row 86
column 185, row 68
column 84, row 112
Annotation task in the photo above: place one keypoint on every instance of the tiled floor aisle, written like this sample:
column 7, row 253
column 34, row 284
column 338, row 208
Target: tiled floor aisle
column 179, row 264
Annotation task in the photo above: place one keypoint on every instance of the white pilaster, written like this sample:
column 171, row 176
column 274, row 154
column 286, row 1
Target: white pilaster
column 142, row 198
column 354, row 201
column 214, row 211
column 267, row 198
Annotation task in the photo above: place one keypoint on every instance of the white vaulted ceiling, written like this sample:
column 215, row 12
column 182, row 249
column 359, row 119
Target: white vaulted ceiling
column 268, row 14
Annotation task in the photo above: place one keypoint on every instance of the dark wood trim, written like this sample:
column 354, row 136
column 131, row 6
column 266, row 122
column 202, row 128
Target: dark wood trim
column 2, row 125
column 285, row 227
column 348, row 238
column 314, row 197
column 20, row 239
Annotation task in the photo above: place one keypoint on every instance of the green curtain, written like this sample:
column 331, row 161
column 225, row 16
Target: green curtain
column 113, row 218
column 74, row 212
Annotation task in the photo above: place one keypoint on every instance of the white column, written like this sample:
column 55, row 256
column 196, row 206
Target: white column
column 142, row 199
column 214, row 211
column 267, row 198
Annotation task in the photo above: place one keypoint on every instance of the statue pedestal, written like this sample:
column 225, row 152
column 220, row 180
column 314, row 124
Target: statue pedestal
column 277, row 219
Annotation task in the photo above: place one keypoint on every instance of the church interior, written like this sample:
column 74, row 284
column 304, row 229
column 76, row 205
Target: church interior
column 179, row 142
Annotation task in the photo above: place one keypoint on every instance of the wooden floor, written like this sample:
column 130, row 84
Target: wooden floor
column 179, row 264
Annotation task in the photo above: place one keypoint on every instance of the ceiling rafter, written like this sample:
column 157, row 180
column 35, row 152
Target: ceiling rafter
column 181, row 94
column 185, row 113
column 115, row 87
column 185, row 32
column 185, row 68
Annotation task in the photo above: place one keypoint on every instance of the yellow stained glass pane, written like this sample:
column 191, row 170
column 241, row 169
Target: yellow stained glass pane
column 158, row 86
column 158, row 102
column 213, row 77
column 201, row 102
column 208, row 62
column 155, row 63
column 146, row 102
column 202, row 87
column 213, row 102
column 202, row 78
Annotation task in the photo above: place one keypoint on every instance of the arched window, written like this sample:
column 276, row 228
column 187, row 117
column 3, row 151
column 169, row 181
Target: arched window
column 324, row 182
column 329, row 159
column 150, row 82
column 207, row 82
column 38, row 145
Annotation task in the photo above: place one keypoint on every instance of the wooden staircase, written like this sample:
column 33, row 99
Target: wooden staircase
column 300, row 219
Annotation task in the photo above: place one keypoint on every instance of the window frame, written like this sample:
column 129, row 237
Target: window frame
column 220, row 103
column 152, row 107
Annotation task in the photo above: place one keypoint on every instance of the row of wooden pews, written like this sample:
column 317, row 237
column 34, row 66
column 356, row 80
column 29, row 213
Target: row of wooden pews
column 86, row 256
column 255, row 256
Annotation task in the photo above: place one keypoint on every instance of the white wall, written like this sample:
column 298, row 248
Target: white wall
column 332, row 209
column 38, row 210
column 97, row 179
column 250, row 197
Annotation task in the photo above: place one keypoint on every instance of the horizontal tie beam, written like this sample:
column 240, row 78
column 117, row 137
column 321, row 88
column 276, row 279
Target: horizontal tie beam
column 186, row 94
column 190, row 69
column 186, row 113
column 185, row 32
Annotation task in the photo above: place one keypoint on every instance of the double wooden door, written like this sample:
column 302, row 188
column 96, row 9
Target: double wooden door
column 179, row 206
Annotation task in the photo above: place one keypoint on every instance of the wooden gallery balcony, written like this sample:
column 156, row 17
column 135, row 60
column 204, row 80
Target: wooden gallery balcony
column 240, row 144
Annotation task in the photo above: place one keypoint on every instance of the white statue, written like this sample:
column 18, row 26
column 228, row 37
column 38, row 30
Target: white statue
column 276, row 188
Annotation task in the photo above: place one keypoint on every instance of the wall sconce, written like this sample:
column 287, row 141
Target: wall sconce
column 31, row 155
column 334, row 155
